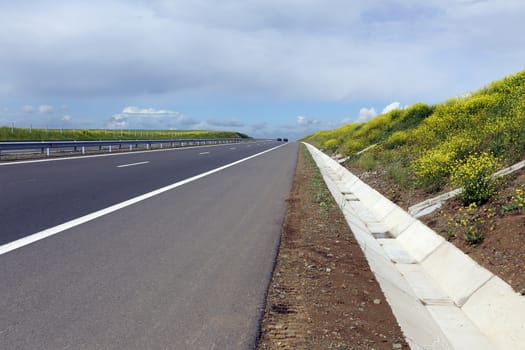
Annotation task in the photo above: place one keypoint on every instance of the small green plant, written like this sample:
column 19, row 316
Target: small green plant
column 451, row 234
column 517, row 202
column 472, row 235
column 472, row 222
column 321, row 194
column 474, row 175
column 367, row 161
column 399, row 174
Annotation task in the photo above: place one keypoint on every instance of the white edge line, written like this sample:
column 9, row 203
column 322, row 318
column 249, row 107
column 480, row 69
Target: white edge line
column 19, row 243
column 204, row 153
column 132, row 164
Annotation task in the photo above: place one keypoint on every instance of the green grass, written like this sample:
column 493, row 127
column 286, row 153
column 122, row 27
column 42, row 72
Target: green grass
column 433, row 140
column 23, row 134
column 322, row 196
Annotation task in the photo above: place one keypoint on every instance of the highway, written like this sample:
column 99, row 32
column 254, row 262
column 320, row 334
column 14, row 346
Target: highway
column 38, row 195
column 184, row 269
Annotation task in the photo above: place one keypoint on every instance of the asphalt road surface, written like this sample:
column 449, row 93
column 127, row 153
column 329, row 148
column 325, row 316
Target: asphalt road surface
column 185, row 269
column 38, row 195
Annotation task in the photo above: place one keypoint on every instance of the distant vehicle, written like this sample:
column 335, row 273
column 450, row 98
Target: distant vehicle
column 285, row 140
column 279, row 139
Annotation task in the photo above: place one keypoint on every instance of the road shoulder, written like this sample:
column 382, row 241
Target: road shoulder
column 323, row 294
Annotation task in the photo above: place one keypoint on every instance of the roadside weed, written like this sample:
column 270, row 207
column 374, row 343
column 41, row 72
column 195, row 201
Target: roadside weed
column 517, row 202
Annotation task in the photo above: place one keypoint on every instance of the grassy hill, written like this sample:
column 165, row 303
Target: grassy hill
column 425, row 145
column 25, row 134
column 423, row 149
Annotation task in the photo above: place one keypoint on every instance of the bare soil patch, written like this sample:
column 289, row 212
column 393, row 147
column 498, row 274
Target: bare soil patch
column 502, row 249
column 323, row 294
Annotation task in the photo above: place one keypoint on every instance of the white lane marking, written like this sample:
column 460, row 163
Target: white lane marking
column 104, row 155
column 19, row 243
column 132, row 164
column 233, row 148
column 204, row 153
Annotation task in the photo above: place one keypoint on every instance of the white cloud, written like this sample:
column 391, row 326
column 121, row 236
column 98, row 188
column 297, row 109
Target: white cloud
column 28, row 109
column 391, row 107
column 145, row 111
column 45, row 109
column 149, row 118
column 259, row 47
column 304, row 121
column 225, row 123
column 67, row 118
column 366, row 114
column 161, row 52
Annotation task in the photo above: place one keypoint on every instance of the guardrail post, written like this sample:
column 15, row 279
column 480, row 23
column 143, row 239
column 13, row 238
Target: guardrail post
column 130, row 147
column 109, row 148
column 83, row 150
column 147, row 145
column 47, row 151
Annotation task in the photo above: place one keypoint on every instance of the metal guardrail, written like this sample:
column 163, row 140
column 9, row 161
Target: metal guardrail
column 81, row 146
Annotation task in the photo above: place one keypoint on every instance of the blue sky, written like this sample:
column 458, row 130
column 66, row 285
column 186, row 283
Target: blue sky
column 267, row 68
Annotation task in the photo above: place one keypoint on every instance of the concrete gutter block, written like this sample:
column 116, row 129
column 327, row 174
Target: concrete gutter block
column 498, row 312
column 455, row 272
column 357, row 185
column 356, row 224
column 367, row 242
column 359, row 188
column 348, row 210
column 395, row 252
column 361, row 234
column 347, row 184
column 339, row 170
column 383, row 208
column 334, row 189
column 376, row 228
column 356, row 206
column 459, row 329
column 424, row 287
column 350, row 197
column 371, row 197
column 426, row 210
column 419, row 328
column 419, row 240
column 397, row 221
column 348, row 176
column 361, row 230
column 367, row 216
column 383, row 268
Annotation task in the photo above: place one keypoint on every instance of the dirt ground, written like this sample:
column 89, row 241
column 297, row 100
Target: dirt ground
column 323, row 294
column 502, row 249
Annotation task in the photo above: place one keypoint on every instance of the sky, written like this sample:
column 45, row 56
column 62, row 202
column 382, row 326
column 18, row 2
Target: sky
column 267, row 68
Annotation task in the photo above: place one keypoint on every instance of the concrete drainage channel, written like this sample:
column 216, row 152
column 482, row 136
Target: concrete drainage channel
column 441, row 298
